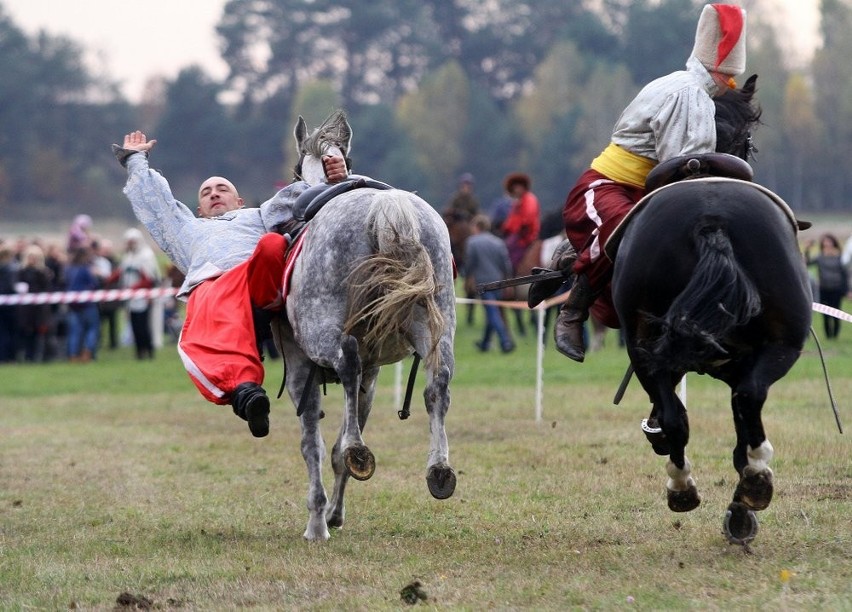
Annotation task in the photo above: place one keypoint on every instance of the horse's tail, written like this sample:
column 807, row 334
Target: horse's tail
column 388, row 289
column 719, row 297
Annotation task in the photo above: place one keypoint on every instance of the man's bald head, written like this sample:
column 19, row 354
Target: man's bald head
column 217, row 195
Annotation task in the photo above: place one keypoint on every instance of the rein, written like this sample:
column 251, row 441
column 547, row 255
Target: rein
column 827, row 382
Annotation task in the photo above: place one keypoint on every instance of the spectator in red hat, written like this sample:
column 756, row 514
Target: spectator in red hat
column 521, row 227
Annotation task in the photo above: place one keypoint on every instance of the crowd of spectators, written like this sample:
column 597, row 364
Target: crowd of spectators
column 77, row 332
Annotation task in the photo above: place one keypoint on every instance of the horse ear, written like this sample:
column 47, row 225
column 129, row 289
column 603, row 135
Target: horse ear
column 300, row 132
column 750, row 85
column 346, row 136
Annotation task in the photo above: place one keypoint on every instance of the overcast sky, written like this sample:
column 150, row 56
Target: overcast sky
column 132, row 40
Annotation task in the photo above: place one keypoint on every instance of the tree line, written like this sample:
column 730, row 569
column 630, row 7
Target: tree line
column 433, row 88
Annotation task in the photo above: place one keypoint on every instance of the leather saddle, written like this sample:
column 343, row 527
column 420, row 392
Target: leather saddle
column 694, row 166
column 708, row 166
column 312, row 199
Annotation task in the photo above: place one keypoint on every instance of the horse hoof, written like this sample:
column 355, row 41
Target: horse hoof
column 684, row 501
column 755, row 489
column 441, row 480
column 335, row 521
column 740, row 524
column 316, row 531
column 360, row 462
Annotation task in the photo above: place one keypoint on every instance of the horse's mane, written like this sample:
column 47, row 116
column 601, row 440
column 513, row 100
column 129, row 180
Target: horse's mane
column 334, row 130
column 736, row 116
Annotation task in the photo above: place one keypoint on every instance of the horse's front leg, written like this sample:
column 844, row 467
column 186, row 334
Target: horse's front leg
column 298, row 367
column 350, row 445
column 313, row 447
column 440, row 477
column 336, row 511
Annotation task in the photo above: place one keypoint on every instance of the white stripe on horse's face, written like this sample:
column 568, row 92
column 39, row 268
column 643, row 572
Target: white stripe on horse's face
column 313, row 172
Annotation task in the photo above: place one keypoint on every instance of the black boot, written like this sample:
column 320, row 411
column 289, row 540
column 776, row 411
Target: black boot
column 251, row 404
column 568, row 331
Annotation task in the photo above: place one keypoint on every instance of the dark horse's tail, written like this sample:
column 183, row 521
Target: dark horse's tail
column 719, row 297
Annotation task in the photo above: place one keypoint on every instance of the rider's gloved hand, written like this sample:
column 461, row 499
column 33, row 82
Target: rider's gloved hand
column 563, row 259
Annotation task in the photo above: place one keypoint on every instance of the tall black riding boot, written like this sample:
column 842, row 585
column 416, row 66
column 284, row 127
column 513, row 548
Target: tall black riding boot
column 251, row 404
column 568, row 331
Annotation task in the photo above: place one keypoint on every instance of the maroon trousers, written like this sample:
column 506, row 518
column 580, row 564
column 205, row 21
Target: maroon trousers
column 592, row 211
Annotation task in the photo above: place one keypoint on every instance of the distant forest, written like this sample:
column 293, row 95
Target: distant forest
column 433, row 88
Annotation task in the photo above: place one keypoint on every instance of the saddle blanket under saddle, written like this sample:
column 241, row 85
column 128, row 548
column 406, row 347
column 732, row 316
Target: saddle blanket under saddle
column 290, row 257
column 611, row 246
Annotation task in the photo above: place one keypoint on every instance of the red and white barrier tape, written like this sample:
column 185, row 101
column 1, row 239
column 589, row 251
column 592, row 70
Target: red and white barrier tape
column 832, row 312
column 116, row 295
column 79, row 297
column 817, row 307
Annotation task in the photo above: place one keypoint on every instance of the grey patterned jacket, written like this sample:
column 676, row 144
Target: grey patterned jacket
column 201, row 248
column 671, row 116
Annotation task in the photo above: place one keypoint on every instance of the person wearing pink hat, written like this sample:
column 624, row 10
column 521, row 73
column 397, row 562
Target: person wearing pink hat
column 672, row 116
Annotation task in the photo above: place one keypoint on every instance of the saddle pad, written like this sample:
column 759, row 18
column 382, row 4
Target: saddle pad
column 290, row 261
column 611, row 246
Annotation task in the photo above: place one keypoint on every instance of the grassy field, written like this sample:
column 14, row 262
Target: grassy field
column 120, row 485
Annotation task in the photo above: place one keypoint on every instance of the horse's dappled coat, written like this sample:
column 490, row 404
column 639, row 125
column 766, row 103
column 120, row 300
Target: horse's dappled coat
column 373, row 285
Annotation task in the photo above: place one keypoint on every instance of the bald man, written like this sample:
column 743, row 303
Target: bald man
column 233, row 260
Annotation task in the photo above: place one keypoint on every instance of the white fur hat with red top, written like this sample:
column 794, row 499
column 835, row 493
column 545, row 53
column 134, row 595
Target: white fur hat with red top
column 720, row 39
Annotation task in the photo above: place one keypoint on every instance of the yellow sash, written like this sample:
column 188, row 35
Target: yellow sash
column 622, row 166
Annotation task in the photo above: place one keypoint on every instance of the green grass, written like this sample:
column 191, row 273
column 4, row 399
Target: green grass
column 117, row 477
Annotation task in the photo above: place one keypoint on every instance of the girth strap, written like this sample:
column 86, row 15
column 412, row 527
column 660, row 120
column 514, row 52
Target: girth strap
column 614, row 240
column 409, row 389
column 306, row 391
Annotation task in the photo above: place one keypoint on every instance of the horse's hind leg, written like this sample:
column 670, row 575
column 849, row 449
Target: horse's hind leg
column 440, row 477
column 752, row 455
column 357, row 457
column 336, row 512
column 682, row 493
column 753, row 451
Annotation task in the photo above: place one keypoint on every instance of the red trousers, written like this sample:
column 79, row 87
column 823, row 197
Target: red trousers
column 594, row 208
column 217, row 343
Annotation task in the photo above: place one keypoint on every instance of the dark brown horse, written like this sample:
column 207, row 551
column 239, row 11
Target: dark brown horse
column 708, row 278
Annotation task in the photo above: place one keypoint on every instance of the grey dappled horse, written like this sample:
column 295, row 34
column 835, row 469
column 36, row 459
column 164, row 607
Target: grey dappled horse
column 373, row 284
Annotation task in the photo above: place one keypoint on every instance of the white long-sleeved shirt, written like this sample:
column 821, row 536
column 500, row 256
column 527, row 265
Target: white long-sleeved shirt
column 201, row 248
column 673, row 115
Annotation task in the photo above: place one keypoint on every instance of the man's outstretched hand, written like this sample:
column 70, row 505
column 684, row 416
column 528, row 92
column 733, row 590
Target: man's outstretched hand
column 137, row 141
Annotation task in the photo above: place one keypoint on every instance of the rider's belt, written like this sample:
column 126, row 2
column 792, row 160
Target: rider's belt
column 622, row 166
